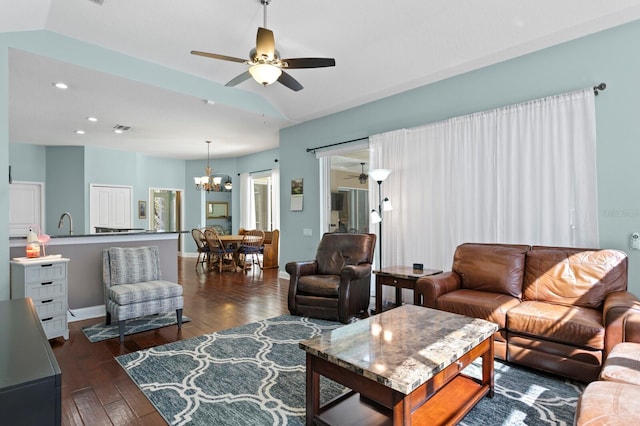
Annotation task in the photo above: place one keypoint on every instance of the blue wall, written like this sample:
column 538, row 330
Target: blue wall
column 610, row 56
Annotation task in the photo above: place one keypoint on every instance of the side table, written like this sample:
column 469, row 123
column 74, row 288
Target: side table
column 399, row 277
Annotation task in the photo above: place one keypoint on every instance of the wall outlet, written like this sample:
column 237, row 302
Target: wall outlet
column 307, row 232
column 634, row 241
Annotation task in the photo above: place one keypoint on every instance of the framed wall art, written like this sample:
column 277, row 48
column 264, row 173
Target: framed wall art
column 217, row 209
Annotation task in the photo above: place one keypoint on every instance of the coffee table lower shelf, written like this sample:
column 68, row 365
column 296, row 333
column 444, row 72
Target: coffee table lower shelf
column 447, row 407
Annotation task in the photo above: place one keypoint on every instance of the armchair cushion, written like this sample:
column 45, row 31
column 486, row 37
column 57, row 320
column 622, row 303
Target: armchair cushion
column 319, row 285
column 133, row 264
column 335, row 251
column 125, row 294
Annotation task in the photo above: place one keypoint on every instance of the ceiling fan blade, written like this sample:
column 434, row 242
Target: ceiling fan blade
column 265, row 43
column 239, row 79
column 286, row 80
column 309, row 62
column 216, row 56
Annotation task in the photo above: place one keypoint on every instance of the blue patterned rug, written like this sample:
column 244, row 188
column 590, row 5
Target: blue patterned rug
column 100, row 331
column 255, row 375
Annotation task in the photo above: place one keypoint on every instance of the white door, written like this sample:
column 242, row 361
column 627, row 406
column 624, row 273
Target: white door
column 110, row 207
column 26, row 207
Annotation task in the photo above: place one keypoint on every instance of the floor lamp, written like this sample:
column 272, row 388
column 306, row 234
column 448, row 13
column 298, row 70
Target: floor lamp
column 379, row 175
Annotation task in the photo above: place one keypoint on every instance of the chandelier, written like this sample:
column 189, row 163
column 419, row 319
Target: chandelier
column 207, row 183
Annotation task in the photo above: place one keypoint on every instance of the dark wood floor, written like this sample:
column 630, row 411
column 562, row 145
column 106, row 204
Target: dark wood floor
column 97, row 391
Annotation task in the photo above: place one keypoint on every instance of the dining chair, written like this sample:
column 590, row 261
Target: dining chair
column 203, row 247
column 251, row 247
column 219, row 254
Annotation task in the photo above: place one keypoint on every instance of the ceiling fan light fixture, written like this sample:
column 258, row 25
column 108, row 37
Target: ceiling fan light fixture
column 265, row 74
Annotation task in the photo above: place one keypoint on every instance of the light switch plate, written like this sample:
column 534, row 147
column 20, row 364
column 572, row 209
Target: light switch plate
column 307, row 232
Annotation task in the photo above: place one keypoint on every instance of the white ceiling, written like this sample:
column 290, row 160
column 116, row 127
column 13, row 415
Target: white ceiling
column 380, row 47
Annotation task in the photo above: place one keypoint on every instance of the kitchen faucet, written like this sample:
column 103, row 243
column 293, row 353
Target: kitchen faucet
column 70, row 221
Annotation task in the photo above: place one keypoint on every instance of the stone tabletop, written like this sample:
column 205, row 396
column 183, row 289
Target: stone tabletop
column 401, row 348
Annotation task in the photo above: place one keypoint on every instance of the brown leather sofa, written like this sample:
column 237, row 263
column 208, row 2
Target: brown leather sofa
column 558, row 309
column 611, row 399
column 334, row 286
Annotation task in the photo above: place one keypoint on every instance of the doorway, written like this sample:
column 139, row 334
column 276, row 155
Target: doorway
column 165, row 212
column 347, row 191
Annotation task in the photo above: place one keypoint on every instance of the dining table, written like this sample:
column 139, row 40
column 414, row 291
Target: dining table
column 229, row 240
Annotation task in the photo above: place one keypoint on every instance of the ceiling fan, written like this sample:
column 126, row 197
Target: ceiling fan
column 265, row 64
column 362, row 177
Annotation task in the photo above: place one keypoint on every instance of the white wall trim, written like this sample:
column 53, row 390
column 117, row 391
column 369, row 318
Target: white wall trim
column 86, row 313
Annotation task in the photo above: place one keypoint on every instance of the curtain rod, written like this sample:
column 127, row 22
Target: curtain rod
column 313, row 150
column 596, row 89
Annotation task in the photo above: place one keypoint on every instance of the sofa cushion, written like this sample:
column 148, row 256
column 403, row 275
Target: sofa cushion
column 623, row 364
column 498, row 268
column 129, row 265
column 608, row 403
column 573, row 276
column 573, row 325
column 478, row 304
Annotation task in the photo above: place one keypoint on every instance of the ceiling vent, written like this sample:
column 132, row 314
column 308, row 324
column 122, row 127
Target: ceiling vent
column 98, row 1
column 120, row 128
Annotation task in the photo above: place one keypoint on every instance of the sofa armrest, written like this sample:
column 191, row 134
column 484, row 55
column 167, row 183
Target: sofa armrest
column 632, row 328
column 617, row 306
column 431, row 287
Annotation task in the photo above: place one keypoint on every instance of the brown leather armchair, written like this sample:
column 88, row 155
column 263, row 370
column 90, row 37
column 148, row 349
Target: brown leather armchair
column 336, row 285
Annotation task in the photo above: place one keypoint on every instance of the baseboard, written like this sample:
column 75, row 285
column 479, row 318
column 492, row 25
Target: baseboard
column 85, row 313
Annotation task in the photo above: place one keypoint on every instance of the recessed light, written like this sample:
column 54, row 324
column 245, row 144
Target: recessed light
column 118, row 131
column 92, row 119
column 80, row 132
column 60, row 85
column 209, row 102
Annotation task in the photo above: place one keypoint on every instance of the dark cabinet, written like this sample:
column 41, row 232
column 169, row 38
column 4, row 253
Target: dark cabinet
column 30, row 378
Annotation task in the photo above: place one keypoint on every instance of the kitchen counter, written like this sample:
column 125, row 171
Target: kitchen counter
column 85, row 290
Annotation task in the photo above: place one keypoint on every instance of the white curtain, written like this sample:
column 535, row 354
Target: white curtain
column 247, row 203
column 520, row 174
column 275, row 198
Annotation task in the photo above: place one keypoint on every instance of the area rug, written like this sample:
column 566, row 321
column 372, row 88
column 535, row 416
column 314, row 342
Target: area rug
column 255, row 375
column 100, row 331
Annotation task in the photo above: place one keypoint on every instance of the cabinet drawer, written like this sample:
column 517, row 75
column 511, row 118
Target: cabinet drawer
column 397, row 282
column 45, row 272
column 54, row 326
column 50, row 307
column 46, row 290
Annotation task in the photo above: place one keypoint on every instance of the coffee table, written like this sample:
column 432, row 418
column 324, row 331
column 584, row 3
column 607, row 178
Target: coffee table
column 403, row 367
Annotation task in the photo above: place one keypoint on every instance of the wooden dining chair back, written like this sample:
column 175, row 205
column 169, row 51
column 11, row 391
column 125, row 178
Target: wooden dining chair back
column 219, row 254
column 202, row 246
column 251, row 247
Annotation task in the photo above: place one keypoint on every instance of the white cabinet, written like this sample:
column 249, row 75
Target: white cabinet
column 45, row 282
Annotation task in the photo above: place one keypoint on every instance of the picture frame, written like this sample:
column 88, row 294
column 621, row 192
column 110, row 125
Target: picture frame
column 297, row 186
column 217, row 209
column 142, row 209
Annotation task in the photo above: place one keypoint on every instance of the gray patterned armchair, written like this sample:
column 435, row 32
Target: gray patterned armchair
column 133, row 286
